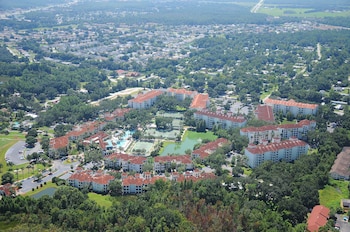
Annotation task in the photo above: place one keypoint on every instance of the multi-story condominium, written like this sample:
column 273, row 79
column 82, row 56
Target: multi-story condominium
column 144, row 101
column 181, row 94
column 200, row 101
column 295, row 108
column 125, row 162
column 162, row 163
column 205, row 150
column 265, row 113
column 222, row 120
column 287, row 150
column 96, row 181
column 285, row 131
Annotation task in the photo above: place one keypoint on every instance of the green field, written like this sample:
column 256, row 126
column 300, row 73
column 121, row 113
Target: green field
column 45, row 186
column 6, row 141
column 101, row 200
column 331, row 195
column 279, row 11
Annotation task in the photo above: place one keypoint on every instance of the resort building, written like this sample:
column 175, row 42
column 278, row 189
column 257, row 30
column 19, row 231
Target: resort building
column 200, row 101
column 205, row 150
column 341, row 167
column 116, row 114
column 222, row 120
column 181, row 94
column 162, row 163
column 125, row 162
column 285, row 131
column 295, row 108
column 275, row 151
column 96, row 181
column 265, row 113
column 144, row 101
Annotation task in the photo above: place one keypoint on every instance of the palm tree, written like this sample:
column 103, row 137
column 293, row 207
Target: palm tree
column 29, row 167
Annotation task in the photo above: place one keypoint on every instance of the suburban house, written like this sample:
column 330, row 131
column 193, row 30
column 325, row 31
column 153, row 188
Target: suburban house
column 96, row 181
column 275, row 151
column 341, row 167
column 144, row 101
column 162, row 163
column 318, row 217
column 225, row 121
column 284, row 131
column 125, row 162
column 205, row 150
column 265, row 113
column 7, row 190
column 295, row 108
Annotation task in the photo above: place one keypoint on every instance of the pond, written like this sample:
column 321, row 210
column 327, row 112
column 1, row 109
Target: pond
column 48, row 191
column 180, row 148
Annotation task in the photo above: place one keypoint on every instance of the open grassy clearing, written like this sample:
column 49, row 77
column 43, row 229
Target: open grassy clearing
column 279, row 11
column 7, row 141
column 331, row 195
column 101, row 200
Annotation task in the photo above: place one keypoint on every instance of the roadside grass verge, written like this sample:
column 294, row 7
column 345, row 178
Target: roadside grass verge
column 45, row 186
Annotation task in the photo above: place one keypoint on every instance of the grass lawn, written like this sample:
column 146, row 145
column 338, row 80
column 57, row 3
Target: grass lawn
column 48, row 185
column 274, row 10
column 331, row 195
column 197, row 135
column 247, row 171
column 7, row 141
column 101, row 200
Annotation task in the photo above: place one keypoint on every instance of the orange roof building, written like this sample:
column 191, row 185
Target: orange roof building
column 318, row 218
column 292, row 106
column 225, row 121
column 205, row 150
column 265, row 113
column 275, row 151
column 285, row 131
column 144, row 101
column 200, row 101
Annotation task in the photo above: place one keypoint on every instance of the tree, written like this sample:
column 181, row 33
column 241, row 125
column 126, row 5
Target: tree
column 8, row 177
column 115, row 188
column 1, row 166
column 30, row 140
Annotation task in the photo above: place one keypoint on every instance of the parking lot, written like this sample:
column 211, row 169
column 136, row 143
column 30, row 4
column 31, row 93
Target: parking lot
column 18, row 152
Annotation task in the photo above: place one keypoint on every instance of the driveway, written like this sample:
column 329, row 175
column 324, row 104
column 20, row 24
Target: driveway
column 59, row 169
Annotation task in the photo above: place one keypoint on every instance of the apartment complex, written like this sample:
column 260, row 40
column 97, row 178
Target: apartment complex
column 96, row 181
column 211, row 119
column 205, row 150
column 275, row 151
column 295, row 108
column 162, row 163
column 146, row 100
column 127, row 163
column 285, row 131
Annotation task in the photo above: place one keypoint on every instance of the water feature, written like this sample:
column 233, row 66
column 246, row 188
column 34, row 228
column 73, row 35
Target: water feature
column 180, row 148
column 48, row 191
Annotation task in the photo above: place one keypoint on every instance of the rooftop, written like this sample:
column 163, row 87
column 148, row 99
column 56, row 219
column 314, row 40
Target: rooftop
column 290, row 102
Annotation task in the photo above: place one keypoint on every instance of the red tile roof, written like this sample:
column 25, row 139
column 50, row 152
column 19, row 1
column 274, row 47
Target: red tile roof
column 276, row 127
column 132, row 159
column 149, row 95
column 318, row 218
column 205, row 150
column 290, row 102
column 200, row 101
column 103, row 179
column 7, row 189
column 59, row 142
column 237, row 119
column 261, row 148
column 185, row 159
column 181, row 91
column 88, row 176
column 265, row 113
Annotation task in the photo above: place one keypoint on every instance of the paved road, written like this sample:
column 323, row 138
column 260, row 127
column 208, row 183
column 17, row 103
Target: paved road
column 58, row 167
column 344, row 225
column 18, row 152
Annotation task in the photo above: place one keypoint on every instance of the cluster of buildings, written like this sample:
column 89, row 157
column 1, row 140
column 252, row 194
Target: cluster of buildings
column 98, row 181
column 146, row 100
column 265, row 142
